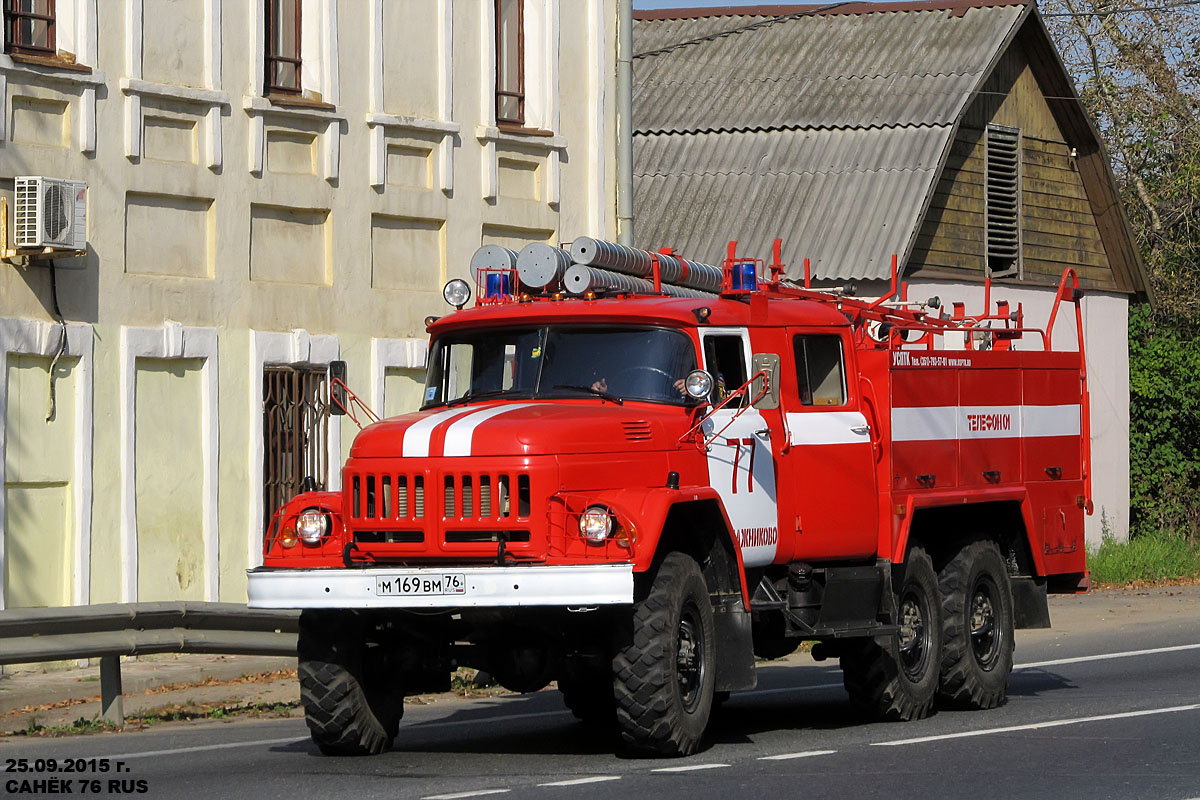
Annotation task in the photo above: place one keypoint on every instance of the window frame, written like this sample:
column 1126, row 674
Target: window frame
column 745, row 358
column 271, row 58
column 804, row 379
column 12, row 22
column 499, row 93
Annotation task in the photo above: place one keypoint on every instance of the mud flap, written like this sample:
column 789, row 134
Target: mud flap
column 735, row 650
column 1030, row 609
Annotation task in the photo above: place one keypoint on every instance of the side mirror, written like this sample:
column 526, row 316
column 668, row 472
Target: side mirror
column 337, row 390
column 766, row 363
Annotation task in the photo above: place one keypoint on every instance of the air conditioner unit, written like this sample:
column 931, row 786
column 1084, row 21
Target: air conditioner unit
column 50, row 213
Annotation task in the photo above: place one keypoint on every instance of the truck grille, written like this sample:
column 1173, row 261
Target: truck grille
column 465, row 496
column 484, row 496
column 387, row 497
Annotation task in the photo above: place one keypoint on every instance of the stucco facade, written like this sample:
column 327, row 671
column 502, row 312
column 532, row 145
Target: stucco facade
column 229, row 231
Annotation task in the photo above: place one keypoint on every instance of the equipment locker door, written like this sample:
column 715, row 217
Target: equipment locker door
column 827, row 475
column 741, row 466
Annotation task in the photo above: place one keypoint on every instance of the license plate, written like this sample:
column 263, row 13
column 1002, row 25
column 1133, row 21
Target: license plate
column 420, row 585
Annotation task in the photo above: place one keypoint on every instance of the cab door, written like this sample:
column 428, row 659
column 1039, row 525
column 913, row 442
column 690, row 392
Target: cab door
column 827, row 472
column 741, row 466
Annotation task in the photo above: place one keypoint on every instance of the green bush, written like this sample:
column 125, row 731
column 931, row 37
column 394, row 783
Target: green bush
column 1149, row 557
column 1164, row 425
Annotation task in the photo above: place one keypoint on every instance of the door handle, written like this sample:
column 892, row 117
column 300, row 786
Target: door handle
column 862, row 430
column 763, row 432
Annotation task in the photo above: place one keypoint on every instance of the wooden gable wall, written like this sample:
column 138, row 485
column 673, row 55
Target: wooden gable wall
column 1058, row 227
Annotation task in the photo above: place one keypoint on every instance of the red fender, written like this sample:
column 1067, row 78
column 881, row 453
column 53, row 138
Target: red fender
column 645, row 512
column 942, row 499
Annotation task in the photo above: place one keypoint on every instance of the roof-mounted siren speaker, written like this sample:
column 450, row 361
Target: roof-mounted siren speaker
column 50, row 213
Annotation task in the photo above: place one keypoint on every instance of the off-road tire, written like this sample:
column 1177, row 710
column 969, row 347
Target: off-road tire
column 977, row 656
column 895, row 678
column 663, row 707
column 349, row 710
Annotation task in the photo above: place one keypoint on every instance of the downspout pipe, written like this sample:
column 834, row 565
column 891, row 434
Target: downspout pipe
column 625, row 122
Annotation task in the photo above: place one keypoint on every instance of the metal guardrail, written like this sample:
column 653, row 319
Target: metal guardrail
column 112, row 630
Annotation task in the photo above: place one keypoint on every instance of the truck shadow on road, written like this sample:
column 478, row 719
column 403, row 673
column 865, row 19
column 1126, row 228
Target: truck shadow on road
column 538, row 723
column 1034, row 682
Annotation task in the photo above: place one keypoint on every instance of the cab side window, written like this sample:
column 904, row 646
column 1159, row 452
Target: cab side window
column 726, row 360
column 820, row 375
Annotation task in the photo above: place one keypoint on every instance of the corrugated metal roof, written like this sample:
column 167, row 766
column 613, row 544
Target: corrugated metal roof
column 851, row 70
column 825, row 130
column 846, row 200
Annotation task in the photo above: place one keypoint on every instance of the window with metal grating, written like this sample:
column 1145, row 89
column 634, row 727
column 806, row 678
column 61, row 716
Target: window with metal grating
column 296, row 436
column 1003, row 208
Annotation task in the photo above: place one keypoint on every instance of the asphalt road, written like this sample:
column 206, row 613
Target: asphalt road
column 1106, row 708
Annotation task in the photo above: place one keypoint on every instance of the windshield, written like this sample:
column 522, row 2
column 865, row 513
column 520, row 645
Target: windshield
column 560, row 361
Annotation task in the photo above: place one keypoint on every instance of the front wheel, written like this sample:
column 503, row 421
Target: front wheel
column 977, row 608
column 351, row 699
column 664, row 679
column 897, row 678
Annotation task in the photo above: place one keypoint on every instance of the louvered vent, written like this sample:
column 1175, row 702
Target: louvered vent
column 27, row 212
column 1003, row 200
column 638, row 431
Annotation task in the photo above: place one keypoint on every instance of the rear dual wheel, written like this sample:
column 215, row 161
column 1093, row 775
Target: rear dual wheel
column 896, row 677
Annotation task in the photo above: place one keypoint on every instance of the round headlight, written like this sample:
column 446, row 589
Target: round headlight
column 595, row 524
column 457, row 292
column 698, row 384
column 311, row 525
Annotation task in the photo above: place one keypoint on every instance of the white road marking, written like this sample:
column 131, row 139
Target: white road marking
column 203, row 747
column 1033, row 726
column 755, row 693
column 791, row 689
column 805, row 754
column 690, row 768
column 457, row 795
column 293, row 740
column 1106, row 656
column 581, row 781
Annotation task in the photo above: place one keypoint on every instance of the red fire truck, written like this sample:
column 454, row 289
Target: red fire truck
column 637, row 490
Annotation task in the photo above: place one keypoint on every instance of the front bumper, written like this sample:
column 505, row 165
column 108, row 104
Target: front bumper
column 442, row 587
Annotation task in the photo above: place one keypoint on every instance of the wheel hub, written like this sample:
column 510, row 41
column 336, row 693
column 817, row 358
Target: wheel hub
column 913, row 637
column 985, row 644
column 689, row 659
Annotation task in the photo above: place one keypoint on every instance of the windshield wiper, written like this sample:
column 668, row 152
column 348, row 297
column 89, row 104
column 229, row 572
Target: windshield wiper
column 471, row 396
column 591, row 390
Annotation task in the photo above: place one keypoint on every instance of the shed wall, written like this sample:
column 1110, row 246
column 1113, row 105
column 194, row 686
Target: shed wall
column 1058, row 228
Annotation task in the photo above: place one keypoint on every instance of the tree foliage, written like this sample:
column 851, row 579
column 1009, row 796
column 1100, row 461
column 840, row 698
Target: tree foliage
column 1138, row 74
column 1137, row 69
column 1164, row 424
